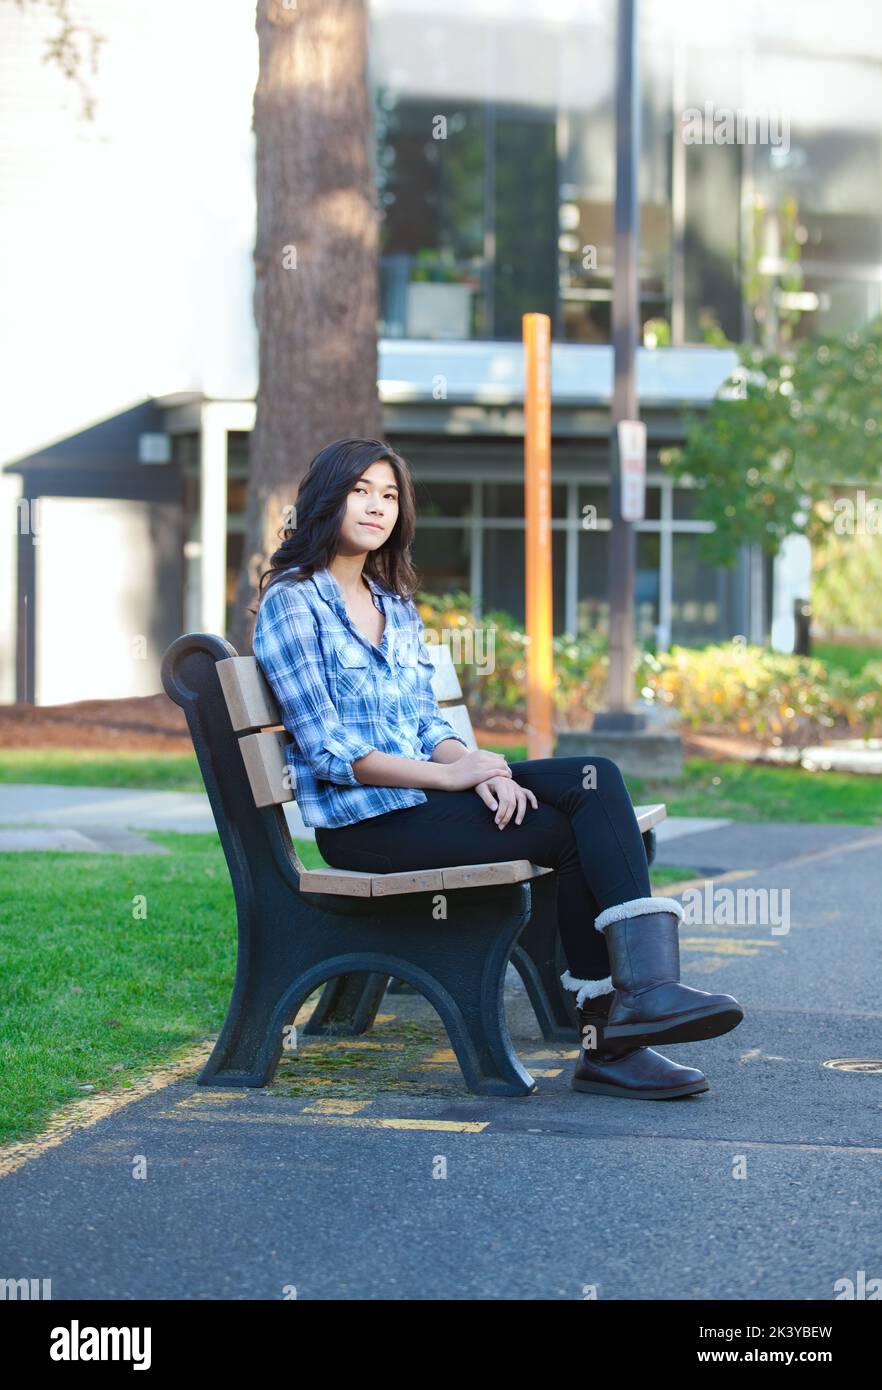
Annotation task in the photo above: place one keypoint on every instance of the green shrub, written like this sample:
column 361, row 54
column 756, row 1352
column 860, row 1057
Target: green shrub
column 731, row 685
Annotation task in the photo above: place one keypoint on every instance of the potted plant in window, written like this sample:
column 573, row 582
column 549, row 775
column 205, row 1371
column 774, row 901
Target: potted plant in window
column 439, row 297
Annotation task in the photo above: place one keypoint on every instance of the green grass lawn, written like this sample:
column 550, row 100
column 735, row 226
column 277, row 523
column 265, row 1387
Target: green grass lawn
column 848, row 658
column 72, row 767
column 744, row 791
column 95, row 991
column 738, row 791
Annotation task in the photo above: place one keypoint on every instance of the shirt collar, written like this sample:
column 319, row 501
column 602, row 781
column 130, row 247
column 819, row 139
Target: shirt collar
column 330, row 590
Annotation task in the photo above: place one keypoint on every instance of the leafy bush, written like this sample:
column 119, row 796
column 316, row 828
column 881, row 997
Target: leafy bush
column 732, row 685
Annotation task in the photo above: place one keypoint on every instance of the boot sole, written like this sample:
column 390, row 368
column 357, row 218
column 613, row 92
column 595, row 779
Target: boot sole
column 694, row 1027
column 599, row 1088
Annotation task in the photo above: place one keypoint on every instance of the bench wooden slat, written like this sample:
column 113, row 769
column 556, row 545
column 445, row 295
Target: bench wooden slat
column 458, row 717
column 648, row 816
column 349, row 883
column 445, row 681
column 250, row 701
column 266, row 766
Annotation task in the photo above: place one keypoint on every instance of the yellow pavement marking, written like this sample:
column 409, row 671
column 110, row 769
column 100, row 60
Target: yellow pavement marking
column 326, row 1105
column 362, row 1121
column 208, row 1096
column 440, row 1066
column 558, row 1055
column 724, row 946
column 82, row 1114
column 344, row 1044
column 670, row 890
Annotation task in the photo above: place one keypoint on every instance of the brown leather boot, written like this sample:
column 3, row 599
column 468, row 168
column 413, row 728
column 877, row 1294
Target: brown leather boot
column 637, row 1074
column 650, row 1004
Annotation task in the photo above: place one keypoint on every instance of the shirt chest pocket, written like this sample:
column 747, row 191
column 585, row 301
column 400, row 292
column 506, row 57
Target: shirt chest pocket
column 353, row 671
column 406, row 669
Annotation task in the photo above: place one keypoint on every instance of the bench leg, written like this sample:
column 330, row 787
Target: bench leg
column 349, row 1004
column 471, row 1004
column 538, row 959
column 461, row 972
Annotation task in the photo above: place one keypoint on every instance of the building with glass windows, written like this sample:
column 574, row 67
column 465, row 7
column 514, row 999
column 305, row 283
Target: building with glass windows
column 761, row 221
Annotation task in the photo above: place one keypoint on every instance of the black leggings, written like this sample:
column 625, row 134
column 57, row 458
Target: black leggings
column 588, row 834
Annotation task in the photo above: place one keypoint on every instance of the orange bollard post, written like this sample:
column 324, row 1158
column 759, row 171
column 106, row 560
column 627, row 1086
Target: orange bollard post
column 537, row 533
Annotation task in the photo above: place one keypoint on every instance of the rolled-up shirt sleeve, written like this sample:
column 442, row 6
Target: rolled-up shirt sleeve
column 433, row 727
column 287, row 650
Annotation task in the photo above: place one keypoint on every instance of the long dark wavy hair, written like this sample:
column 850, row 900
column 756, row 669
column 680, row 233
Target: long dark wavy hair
column 311, row 543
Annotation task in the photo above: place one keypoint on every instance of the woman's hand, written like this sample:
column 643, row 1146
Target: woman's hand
column 505, row 796
column 473, row 767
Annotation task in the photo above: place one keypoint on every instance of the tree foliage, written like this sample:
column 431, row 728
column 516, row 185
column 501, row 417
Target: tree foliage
column 786, row 432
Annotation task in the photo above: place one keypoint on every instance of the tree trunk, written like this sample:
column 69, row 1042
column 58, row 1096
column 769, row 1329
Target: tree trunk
column 315, row 262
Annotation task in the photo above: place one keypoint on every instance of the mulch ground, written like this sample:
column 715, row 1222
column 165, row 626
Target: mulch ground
column 155, row 724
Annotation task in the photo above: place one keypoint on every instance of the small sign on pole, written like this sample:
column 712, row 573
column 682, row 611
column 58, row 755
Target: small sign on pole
column 632, row 457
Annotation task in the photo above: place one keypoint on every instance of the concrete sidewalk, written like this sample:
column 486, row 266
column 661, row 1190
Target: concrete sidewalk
column 46, row 816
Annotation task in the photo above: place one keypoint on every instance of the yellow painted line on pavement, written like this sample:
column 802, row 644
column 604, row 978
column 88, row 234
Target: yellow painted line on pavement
column 441, row 1067
column 326, row 1105
column 551, row 1055
column 671, row 890
column 344, row 1045
column 724, row 946
column 360, row 1121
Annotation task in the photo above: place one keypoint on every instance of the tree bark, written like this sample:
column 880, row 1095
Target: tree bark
column 315, row 262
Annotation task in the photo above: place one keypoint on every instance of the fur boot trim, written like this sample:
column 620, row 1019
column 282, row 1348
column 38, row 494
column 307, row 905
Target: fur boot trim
column 638, row 907
column 586, row 989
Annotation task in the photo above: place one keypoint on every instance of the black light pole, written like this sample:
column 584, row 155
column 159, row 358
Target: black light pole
column 626, row 328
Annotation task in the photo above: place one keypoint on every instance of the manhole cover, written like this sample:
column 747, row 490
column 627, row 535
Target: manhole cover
column 854, row 1064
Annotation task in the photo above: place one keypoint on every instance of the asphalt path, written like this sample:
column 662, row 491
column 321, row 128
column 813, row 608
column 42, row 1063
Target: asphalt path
column 390, row 1180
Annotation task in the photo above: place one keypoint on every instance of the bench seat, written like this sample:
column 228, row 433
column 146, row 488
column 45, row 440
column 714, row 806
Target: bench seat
column 352, row 884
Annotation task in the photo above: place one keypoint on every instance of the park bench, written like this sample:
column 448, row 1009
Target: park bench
column 353, row 932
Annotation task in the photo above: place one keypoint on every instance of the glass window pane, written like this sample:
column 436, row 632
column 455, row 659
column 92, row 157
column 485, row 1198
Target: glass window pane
column 592, row 609
column 646, row 587
column 597, row 495
column 237, row 453
column 504, row 574
column 442, row 499
column 684, row 504
column 525, row 177
column 442, row 556
column 236, row 492
column 431, row 193
column 702, row 607
column 507, row 499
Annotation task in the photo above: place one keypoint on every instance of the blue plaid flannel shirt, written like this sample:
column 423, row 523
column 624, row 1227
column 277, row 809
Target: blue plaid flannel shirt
column 340, row 697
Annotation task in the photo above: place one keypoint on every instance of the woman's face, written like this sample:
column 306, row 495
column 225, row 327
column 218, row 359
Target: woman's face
column 372, row 499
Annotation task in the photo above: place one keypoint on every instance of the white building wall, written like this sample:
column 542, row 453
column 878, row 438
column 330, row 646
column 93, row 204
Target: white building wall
column 127, row 241
column 97, row 590
column 13, row 519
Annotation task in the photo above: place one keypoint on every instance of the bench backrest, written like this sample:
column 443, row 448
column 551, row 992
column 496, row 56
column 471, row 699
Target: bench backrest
column 255, row 715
